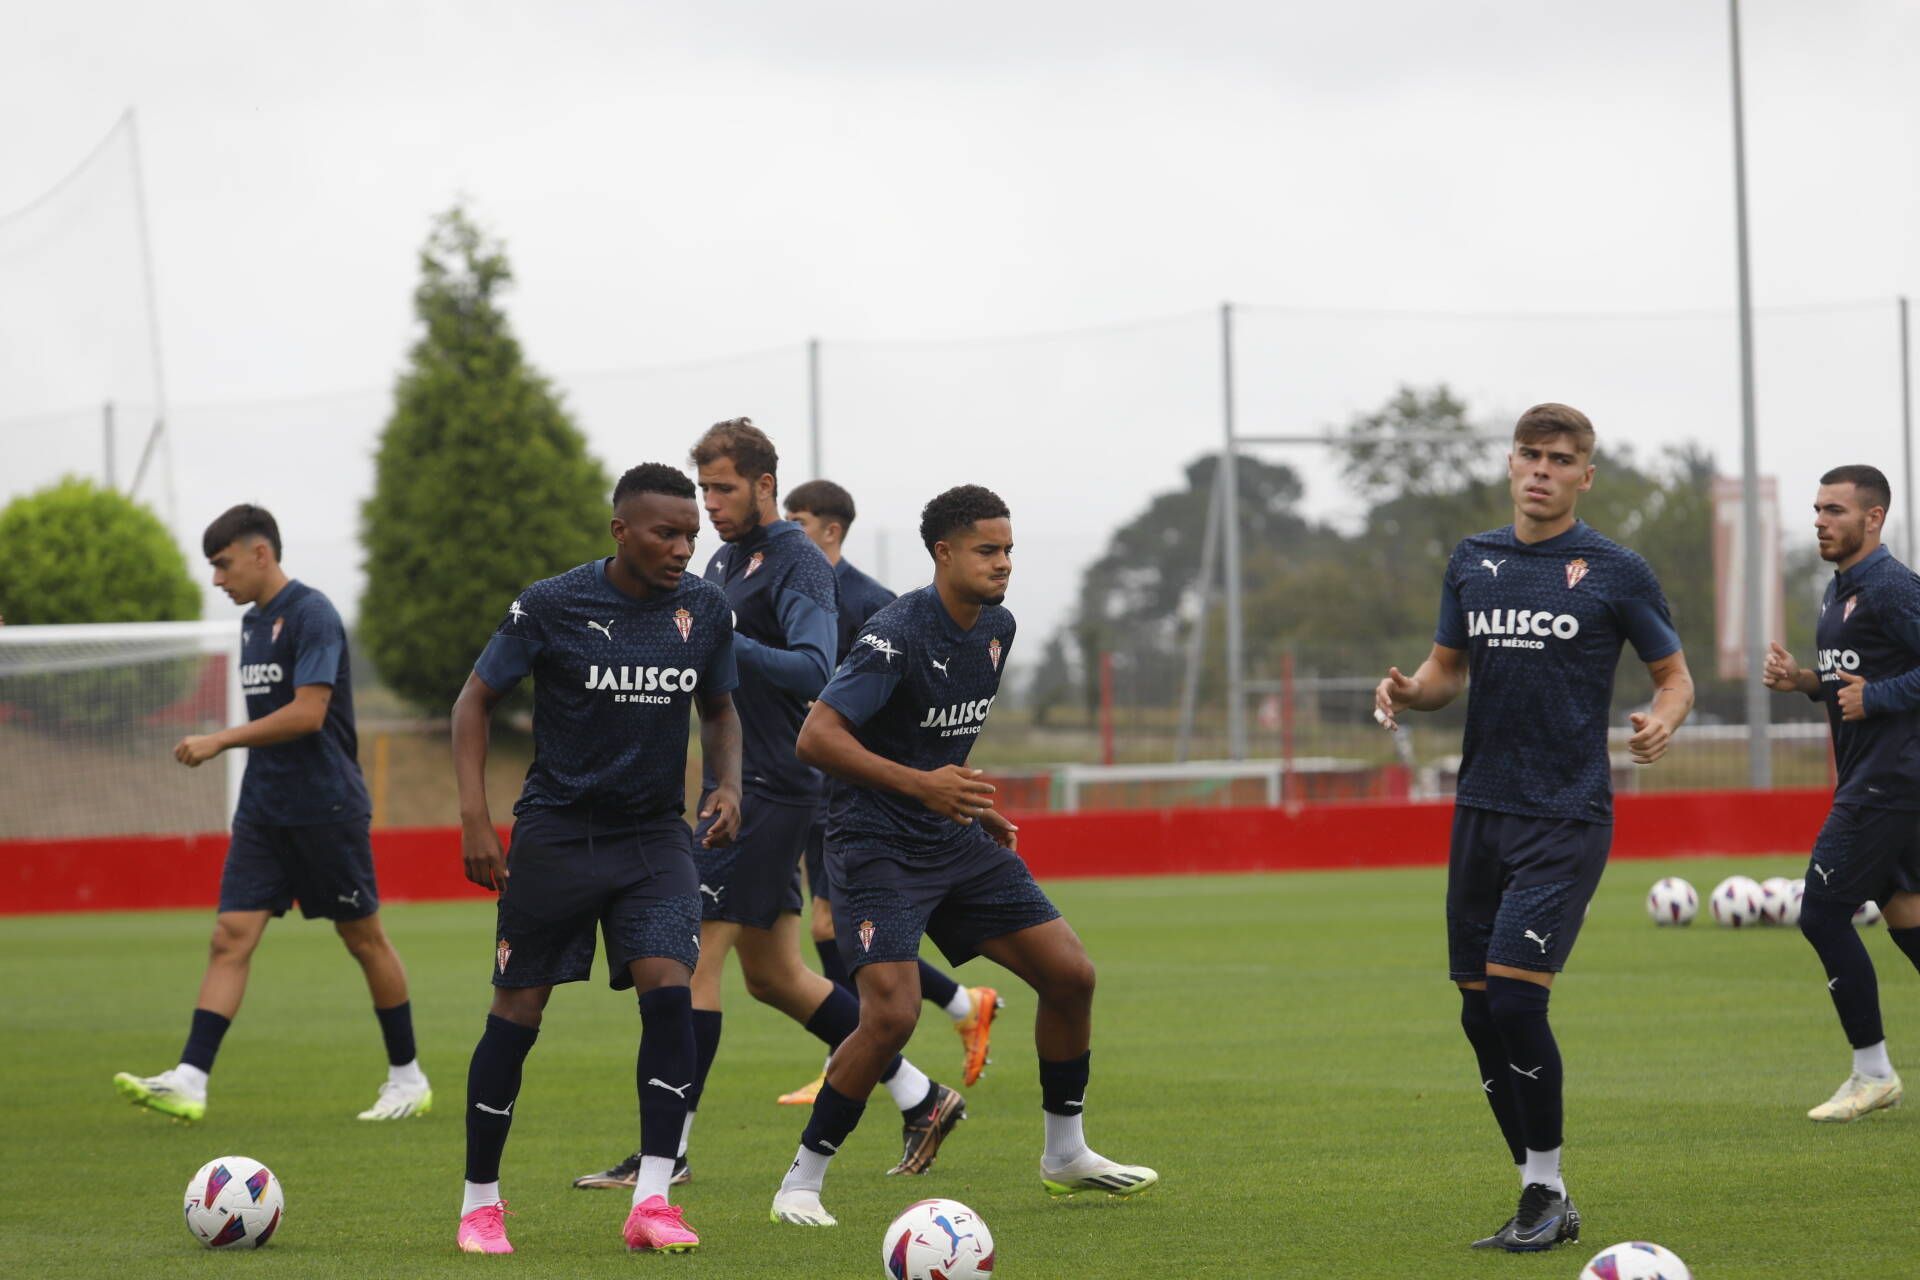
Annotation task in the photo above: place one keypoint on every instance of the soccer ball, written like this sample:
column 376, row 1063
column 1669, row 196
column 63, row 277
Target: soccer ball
column 1790, row 909
column 1775, row 891
column 1736, row 902
column 1636, row 1260
column 233, row 1200
column 1672, row 901
column 937, row 1240
column 1866, row 915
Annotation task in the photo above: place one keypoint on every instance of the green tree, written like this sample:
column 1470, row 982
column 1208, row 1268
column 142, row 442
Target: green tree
column 482, row 482
column 74, row 552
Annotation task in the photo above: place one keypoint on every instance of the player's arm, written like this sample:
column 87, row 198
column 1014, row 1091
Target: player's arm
column 1783, row 675
column 720, row 748
column 508, row 658
column 1859, row 697
column 1653, row 729
column 1440, row 680
column 484, row 860
column 805, row 665
column 304, row 715
column 827, row 743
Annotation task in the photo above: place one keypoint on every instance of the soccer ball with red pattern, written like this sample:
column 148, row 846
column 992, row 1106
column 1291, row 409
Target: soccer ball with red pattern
column 234, row 1201
column 1672, row 901
column 1736, row 902
column 1636, row 1260
column 937, row 1240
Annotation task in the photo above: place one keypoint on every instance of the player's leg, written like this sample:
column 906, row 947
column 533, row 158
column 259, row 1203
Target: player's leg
column 1853, row 859
column 493, row 1086
column 1555, row 866
column 255, row 886
column 333, row 878
column 820, row 929
column 663, row 1079
column 1050, row 958
column 1475, row 879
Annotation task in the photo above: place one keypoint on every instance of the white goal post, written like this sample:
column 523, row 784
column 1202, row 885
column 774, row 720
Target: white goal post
column 89, row 715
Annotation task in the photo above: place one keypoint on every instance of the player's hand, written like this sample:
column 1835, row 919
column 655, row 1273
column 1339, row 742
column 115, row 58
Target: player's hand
column 1780, row 673
column 955, row 791
column 1651, row 737
column 196, row 749
column 725, row 802
column 486, row 861
column 1392, row 696
column 1853, row 696
column 1004, row 833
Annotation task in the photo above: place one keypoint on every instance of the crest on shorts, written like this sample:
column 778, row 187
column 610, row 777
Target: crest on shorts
column 993, row 652
column 1847, row 611
column 753, row 565
column 866, row 935
column 1576, row 570
column 501, row 954
column 277, row 624
column 684, row 622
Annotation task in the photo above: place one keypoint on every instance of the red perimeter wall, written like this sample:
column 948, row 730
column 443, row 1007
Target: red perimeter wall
column 423, row 864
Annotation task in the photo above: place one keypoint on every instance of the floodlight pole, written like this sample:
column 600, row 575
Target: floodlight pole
column 1197, row 638
column 1912, row 521
column 1759, row 755
column 1230, row 544
column 158, row 434
column 813, row 406
column 106, row 432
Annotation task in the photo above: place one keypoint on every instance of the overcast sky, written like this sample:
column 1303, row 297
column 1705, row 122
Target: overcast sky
column 686, row 182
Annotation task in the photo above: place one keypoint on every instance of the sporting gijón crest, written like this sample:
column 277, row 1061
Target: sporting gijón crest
column 993, row 652
column 1576, row 570
column 683, row 622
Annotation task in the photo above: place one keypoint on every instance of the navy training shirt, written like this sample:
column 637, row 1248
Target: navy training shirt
column 613, row 683
column 917, row 689
column 780, row 587
column 1542, row 624
column 1870, row 627
column 859, row 597
column 296, row 639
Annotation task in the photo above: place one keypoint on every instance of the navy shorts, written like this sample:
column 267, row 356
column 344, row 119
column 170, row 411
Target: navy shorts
column 885, row 902
column 816, row 861
column 1518, row 888
column 756, row 879
column 1865, row 854
column 572, row 871
column 327, row 868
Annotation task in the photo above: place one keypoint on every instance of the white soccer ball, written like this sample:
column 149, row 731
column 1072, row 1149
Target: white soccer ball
column 937, row 1240
column 1866, row 915
column 1774, row 892
column 1790, row 909
column 1736, row 902
column 234, row 1201
column 1672, row 901
column 1636, row 1260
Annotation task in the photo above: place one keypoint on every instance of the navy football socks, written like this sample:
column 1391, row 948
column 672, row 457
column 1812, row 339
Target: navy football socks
column 1851, row 982
column 203, row 1039
column 1519, row 1012
column 396, row 1028
column 663, row 1070
column 1496, row 1078
column 706, row 1043
column 493, row 1084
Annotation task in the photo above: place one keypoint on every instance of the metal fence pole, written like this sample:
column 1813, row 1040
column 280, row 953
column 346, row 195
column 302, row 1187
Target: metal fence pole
column 1759, row 752
column 813, row 407
column 1197, row 638
column 106, row 432
column 1230, row 540
column 1912, row 521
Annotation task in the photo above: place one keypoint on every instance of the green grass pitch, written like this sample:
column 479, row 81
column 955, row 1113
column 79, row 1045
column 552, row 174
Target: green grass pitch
column 1284, row 1049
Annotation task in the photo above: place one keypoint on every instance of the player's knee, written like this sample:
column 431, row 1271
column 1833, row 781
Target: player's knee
column 1512, row 1002
column 1070, row 985
column 231, row 943
column 362, row 941
column 1824, row 923
column 765, row 983
column 522, row 1006
column 890, row 1021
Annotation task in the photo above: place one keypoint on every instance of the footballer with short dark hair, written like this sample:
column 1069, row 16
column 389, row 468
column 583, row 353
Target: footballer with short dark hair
column 780, row 589
column 1867, row 677
column 825, row 511
column 620, row 649
column 917, row 849
column 301, row 830
column 1536, row 613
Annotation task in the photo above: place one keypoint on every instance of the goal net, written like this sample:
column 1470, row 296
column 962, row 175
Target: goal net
column 89, row 716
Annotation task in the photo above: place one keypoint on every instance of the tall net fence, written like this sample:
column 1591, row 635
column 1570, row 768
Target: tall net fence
column 89, row 716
